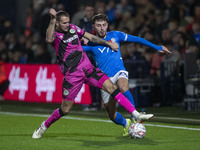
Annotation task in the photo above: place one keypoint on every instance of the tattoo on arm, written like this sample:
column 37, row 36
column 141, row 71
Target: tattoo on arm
column 95, row 39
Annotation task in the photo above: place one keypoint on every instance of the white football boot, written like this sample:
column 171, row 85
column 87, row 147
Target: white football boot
column 143, row 117
column 39, row 131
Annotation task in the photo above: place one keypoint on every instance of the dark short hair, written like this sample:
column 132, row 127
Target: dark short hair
column 99, row 17
column 89, row 5
column 61, row 13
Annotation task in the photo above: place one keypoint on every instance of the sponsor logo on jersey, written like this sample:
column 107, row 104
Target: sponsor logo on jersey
column 70, row 39
column 72, row 31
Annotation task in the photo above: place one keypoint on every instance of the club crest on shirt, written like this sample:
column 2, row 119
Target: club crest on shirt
column 65, row 92
column 113, row 40
column 72, row 31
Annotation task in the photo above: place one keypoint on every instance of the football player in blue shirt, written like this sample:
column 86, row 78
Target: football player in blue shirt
column 111, row 63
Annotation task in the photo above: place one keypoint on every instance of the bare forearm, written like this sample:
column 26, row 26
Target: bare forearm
column 50, row 31
column 98, row 40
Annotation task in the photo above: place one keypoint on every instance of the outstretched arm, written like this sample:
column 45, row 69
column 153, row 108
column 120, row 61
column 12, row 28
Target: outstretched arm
column 144, row 42
column 98, row 40
column 51, row 27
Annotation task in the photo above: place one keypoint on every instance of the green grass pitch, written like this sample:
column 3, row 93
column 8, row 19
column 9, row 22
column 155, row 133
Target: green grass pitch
column 83, row 134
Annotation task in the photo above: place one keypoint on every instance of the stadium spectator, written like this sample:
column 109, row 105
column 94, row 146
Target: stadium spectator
column 179, row 42
column 127, row 22
column 155, row 65
column 4, row 82
column 3, row 51
column 100, row 6
column 171, row 11
column 195, row 18
column 173, row 26
column 192, row 47
column 133, row 52
column 42, row 55
column 86, row 22
column 41, row 15
column 158, row 25
column 77, row 69
column 17, row 56
column 78, row 15
column 11, row 41
column 5, row 27
column 29, row 19
column 123, row 7
column 166, row 35
column 111, row 11
column 196, row 32
column 29, row 55
column 190, row 5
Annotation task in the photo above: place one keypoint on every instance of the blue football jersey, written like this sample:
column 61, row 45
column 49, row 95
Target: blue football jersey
column 108, row 60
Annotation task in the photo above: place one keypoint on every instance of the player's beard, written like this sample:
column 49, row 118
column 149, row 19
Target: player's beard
column 63, row 29
column 102, row 34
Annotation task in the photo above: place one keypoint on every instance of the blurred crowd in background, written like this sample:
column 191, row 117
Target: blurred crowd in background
column 172, row 23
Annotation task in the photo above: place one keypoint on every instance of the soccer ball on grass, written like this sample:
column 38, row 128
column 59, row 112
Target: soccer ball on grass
column 137, row 131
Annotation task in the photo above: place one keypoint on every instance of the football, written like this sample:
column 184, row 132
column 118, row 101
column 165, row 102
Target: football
column 137, row 131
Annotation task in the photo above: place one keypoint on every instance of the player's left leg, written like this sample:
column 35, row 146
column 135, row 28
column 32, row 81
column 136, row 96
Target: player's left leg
column 124, row 88
column 123, row 101
column 71, row 86
column 57, row 114
column 99, row 79
column 116, row 117
column 123, row 85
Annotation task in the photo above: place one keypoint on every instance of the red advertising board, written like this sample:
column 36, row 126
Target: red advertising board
column 39, row 83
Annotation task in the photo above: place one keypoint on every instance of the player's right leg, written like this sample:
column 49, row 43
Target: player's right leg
column 57, row 114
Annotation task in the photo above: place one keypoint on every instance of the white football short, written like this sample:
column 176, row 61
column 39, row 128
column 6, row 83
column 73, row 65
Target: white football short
column 121, row 74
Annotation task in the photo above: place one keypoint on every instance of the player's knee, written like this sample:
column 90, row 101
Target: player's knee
column 123, row 89
column 66, row 106
column 109, row 87
column 113, row 87
column 65, row 110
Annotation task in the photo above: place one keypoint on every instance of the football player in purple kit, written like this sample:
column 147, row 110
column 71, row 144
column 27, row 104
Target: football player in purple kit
column 77, row 69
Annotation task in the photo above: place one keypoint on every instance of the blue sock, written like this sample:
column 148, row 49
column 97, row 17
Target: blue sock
column 129, row 96
column 120, row 120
